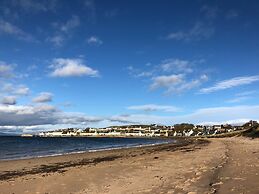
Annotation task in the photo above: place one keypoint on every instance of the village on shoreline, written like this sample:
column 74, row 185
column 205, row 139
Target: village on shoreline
column 177, row 130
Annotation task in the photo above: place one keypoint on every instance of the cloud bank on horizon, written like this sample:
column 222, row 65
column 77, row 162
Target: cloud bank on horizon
column 96, row 63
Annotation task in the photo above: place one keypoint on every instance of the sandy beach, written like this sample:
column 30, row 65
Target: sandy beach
column 223, row 165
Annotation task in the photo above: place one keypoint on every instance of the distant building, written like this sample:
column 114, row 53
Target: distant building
column 184, row 129
column 26, row 135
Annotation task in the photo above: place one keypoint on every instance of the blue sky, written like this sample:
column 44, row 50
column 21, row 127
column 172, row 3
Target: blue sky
column 98, row 63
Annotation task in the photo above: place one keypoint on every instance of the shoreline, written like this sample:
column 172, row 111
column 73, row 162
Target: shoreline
column 74, row 159
column 226, row 165
column 170, row 140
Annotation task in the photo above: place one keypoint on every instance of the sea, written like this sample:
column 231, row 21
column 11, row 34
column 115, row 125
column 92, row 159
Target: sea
column 16, row 147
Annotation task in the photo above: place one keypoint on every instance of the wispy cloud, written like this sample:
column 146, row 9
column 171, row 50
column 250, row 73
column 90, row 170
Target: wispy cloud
column 210, row 115
column 137, row 73
column 176, row 65
column 6, row 70
column 21, row 90
column 209, row 12
column 15, row 90
column 221, row 114
column 202, row 29
column 166, row 66
column 230, row 83
column 247, row 93
column 144, row 74
column 12, row 30
column 63, row 31
column 43, row 97
column 8, row 76
column 72, row 23
column 57, row 40
column 8, row 100
column 242, row 96
column 154, row 107
column 65, row 67
column 90, row 6
column 35, row 6
column 173, row 74
column 198, row 32
column 94, row 40
column 44, row 114
column 238, row 99
column 167, row 81
column 176, row 83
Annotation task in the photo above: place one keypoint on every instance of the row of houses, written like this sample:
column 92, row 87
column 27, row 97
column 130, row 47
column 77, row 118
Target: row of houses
column 146, row 130
column 123, row 131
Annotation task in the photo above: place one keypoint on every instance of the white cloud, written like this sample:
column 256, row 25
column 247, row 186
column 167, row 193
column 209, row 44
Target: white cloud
column 167, row 81
column 65, row 67
column 94, row 40
column 202, row 29
column 21, row 90
column 35, row 6
column 173, row 75
column 7, row 87
column 230, row 83
column 176, row 83
column 8, row 79
column 10, row 29
column 9, row 100
column 235, row 122
column 242, row 96
column 14, row 115
column 43, row 97
column 247, row 93
column 70, row 24
column 139, row 119
column 176, row 65
column 63, row 31
column 214, row 115
column 222, row 114
column 198, row 32
column 46, row 117
column 6, row 71
column 187, row 85
column 144, row 74
column 238, row 99
column 176, row 36
column 137, row 73
column 165, row 67
column 32, row 67
column 154, row 107
column 210, row 12
column 57, row 40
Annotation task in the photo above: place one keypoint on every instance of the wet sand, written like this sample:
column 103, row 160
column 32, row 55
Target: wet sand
column 226, row 165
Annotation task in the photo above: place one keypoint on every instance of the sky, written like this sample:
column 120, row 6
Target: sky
column 96, row 63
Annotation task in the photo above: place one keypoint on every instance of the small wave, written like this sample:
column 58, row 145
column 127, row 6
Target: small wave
column 78, row 151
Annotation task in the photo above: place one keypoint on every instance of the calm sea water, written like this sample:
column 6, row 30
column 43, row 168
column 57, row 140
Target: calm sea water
column 19, row 147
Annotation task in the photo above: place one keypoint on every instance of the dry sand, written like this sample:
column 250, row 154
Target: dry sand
column 227, row 165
